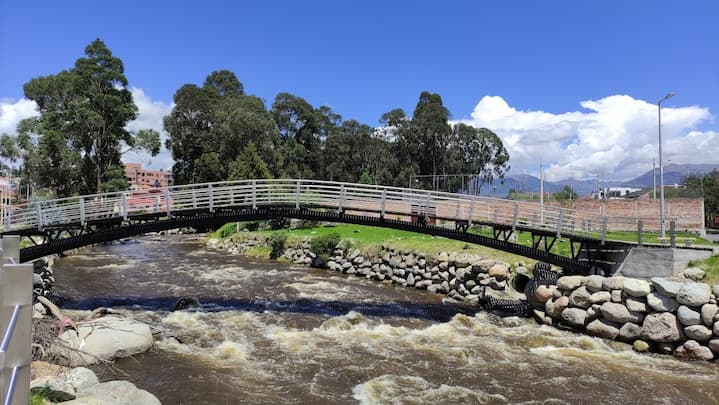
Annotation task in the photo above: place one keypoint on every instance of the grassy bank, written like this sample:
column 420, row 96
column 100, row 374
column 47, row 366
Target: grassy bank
column 711, row 267
column 369, row 239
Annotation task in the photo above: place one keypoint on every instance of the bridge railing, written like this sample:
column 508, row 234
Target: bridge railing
column 374, row 200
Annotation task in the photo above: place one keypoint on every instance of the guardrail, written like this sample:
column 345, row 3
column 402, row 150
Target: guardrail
column 368, row 199
column 16, row 322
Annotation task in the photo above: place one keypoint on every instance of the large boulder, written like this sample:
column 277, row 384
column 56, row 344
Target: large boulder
column 580, row 298
column 569, row 283
column 661, row 327
column 574, row 316
column 693, row 273
column 466, row 259
column 661, row 303
column 602, row 329
column 103, row 339
column 691, row 349
column 688, row 316
column 636, row 288
column 666, row 287
column 694, row 294
column 115, row 393
column 65, row 385
column 618, row 313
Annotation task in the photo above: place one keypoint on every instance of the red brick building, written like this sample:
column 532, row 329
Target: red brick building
column 140, row 178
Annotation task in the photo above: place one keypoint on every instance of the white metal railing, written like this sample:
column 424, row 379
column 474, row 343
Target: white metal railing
column 350, row 197
column 16, row 323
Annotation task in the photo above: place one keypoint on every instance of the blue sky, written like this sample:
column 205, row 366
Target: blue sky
column 365, row 58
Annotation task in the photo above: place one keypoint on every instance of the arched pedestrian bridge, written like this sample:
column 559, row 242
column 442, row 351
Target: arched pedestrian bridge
column 69, row 223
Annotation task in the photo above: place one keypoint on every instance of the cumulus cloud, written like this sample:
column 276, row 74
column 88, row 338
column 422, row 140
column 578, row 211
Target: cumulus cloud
column 12, row 112
column 615, row 136
column 150, row 113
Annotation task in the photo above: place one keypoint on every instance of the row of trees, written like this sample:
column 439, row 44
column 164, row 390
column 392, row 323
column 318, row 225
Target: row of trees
column 218, row 132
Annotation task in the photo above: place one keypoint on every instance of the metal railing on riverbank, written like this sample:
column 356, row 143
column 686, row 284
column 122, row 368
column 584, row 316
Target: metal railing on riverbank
column 373, row 200
column 16, row 321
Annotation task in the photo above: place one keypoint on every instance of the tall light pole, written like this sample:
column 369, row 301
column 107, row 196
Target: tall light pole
column 541, row 191
column 661, row 165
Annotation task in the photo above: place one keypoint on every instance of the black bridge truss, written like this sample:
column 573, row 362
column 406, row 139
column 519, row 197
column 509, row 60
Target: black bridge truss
column 588, row 255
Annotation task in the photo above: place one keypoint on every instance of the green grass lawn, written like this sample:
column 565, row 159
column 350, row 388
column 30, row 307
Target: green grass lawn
column 711, row 267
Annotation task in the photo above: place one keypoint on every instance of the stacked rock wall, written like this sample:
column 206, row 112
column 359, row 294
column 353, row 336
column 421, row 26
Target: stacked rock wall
column 658, row 315
column 458, row 275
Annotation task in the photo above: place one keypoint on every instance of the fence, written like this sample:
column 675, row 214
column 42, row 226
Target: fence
column 16, row 321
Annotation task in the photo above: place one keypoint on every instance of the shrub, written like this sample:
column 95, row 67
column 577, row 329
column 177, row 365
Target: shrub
column 323, row 246
column 226, row 230
column 276, row 243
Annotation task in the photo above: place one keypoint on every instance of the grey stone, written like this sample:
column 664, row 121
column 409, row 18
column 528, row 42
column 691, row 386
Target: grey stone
column 715, row 290
column 691, row 349
column 580, row 298
column 709, row 311
column 636, row 287
column 483, row 266
column 698, row 332
column 500, row 271
column 688, row 316
column 662, row 327
column 616, row 296
column 602, row 329
column 715, row 328
column 592, row 313
column 410, row 280
column 544, row 293
column 443, row 257
column 600, row 297
column 465, row 259
column 594, row 283
column 54, row 389
column 569, row 283
column 664, row 348
column 613, row 283
column 694, row 294
column 714, row 345
column 636, row 305
column 693, row 273
column 555, row 307
column 476, row 290
column 661, row 303
column 574, row 316
column 618, row 313
column 443, row 266
column 630, row 331
column 444, row 286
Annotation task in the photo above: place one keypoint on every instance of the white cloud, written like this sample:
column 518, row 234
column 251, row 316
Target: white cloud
column 149, row 116
column 615, row 136
column 12, row 112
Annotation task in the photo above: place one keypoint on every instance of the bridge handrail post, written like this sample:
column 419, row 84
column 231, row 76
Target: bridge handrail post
column 604, row 229
column 384, row 202
column 254, row 194
column 168, row 211
column 15, row 301
column 82, row 211
column 515, row 217
column 640, row 227
column 297, row 195
column 471, row 212
column 123, row 202
column 342, row 199
column 211, row 198
column 39, row 214
column 559, row 223
column 8, row 221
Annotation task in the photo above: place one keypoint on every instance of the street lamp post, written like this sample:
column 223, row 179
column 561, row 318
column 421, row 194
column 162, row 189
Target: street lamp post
column 661, row 165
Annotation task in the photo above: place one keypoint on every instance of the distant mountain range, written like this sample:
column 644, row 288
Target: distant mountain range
column 673, row 174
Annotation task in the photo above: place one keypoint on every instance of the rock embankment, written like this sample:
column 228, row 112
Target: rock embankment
column 669, row 317
column 460, row 276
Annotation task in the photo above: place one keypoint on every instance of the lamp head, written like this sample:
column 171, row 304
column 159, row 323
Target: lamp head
column 668, row 96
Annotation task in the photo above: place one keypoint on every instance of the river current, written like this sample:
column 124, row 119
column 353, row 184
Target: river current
column 270, row 333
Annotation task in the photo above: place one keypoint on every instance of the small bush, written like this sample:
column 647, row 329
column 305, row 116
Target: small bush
column 276, row 243
column 323, row 246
